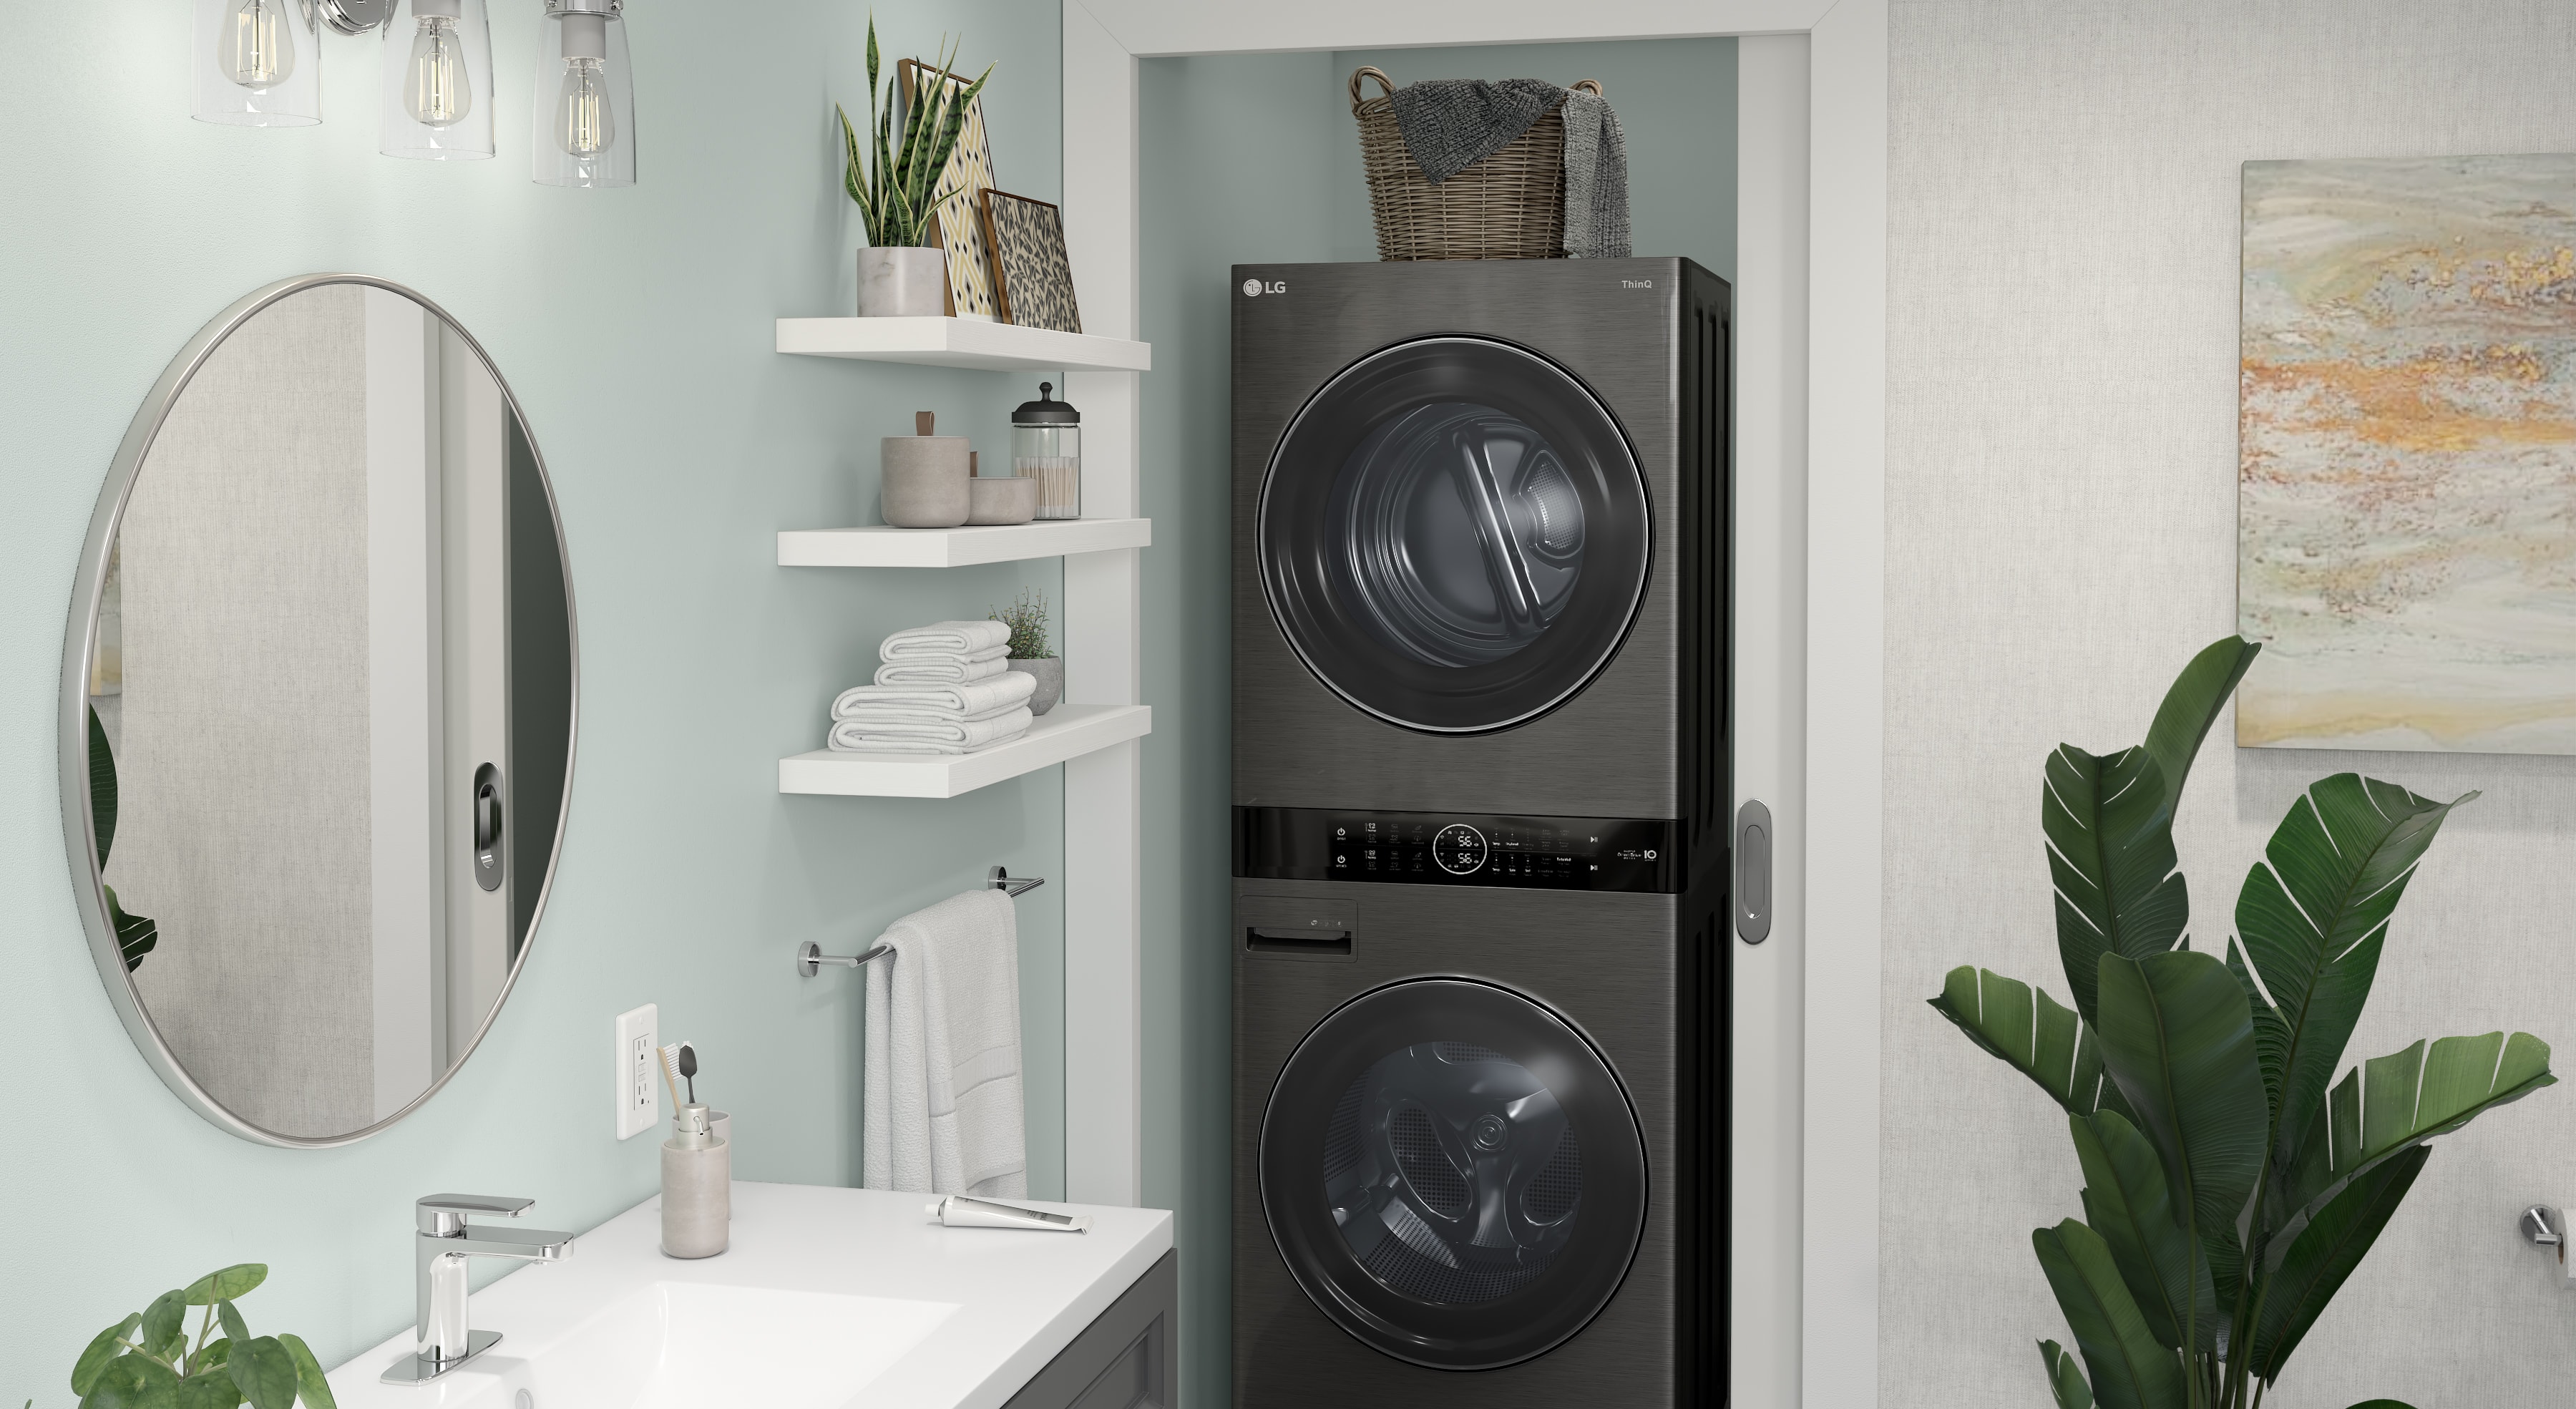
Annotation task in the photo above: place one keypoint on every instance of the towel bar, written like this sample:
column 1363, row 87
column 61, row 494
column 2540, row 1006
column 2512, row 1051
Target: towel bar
column 810, row 956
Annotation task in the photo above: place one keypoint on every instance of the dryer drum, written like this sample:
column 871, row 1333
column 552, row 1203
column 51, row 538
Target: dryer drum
column 1452, row 1173
column 1454, row 534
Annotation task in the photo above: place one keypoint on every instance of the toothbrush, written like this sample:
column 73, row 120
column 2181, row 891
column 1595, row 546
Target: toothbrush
column 670, row 1056
column 688, row 1064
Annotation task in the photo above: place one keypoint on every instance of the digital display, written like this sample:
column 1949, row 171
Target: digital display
column 1423, row 848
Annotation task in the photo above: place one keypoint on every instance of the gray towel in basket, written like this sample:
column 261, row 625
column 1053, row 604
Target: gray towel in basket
column 1596, row 180
column 1450, row 124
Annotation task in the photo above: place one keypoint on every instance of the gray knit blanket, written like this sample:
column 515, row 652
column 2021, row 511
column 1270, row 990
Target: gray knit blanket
column 1450, row 124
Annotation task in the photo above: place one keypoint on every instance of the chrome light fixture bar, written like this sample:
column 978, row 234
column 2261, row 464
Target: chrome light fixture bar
column 257, row 63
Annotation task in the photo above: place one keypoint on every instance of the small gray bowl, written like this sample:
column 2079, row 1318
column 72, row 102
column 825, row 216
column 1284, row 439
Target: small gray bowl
column 1001, row 499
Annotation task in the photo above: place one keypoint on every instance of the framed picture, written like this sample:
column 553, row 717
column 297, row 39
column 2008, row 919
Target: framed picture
column 2406, row 439
column 1032, row 279
column 957, row 226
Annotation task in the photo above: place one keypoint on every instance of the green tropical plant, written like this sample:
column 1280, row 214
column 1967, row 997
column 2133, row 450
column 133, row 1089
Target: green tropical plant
column 148, row 1361
column 1027, row 619
column 897, row 191
column 135, row 935
column 2231, row 1185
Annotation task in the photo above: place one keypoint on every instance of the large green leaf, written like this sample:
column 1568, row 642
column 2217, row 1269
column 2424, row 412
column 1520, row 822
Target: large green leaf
column 102, row 787
column 2312, row 918
column 134, row 1382
column 2178, row 1038
column 2041, row 1037
column 2128, row 1202
column 2317, row 1261
column 2387, row 1104
column 164, row 1316
column 103, row 1347
column 265, row 1373
column 229, row 1284
column 309, row 1378
column 2191, row 706
column 209, row 1389
column 2109, row 824
column 2065, row 1381
column 2129, row 1370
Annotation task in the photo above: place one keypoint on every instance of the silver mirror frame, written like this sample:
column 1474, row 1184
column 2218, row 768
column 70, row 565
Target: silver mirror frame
column 79, row 642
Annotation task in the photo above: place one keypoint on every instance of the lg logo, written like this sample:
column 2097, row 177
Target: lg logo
column 1254, row 288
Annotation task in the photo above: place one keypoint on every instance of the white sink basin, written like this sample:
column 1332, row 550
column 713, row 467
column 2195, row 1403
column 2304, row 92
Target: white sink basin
column 685, row 1345
column 828, row 1299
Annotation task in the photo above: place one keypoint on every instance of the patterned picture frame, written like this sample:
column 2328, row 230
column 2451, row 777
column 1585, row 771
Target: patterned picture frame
column 1032, row 277
column 957, row 227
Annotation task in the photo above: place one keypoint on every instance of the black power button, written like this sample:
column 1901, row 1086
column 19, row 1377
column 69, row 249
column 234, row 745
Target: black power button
column 1460, row 849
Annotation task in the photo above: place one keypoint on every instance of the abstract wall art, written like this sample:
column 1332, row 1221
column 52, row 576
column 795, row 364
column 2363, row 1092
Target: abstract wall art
column 2406, row 502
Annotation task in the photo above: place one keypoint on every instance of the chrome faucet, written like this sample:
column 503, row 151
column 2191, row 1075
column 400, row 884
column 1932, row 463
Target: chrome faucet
column 446, row 1240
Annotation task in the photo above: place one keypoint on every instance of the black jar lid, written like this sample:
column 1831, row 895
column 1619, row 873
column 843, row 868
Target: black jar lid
column 1045, row 411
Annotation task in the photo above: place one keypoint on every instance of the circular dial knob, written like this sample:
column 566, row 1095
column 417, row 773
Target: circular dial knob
column 1460, row 849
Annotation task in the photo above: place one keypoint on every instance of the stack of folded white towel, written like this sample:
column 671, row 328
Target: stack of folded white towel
column 944, row 688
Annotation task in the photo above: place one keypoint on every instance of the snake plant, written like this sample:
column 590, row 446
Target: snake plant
column 2231, row 1184
column 896, row 183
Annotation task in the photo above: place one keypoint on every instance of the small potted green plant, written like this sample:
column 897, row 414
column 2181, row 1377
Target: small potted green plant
column 150, row 1358
column 1030, row 654
column 896, row 185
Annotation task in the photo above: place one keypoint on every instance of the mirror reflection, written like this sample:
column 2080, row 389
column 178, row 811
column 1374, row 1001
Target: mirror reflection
column 329, row 712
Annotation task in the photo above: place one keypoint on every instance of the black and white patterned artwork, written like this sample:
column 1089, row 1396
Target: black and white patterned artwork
column 1032, row 280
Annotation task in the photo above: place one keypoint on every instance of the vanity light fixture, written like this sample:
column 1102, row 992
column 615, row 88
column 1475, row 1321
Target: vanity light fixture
column 257, row 63
column 436, row 103
column 583, row 132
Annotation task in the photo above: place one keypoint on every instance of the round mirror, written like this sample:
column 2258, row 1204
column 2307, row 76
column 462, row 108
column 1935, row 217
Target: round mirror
column 318, row 707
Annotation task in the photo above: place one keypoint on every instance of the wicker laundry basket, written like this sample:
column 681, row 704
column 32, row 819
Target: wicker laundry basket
column 1511, row 205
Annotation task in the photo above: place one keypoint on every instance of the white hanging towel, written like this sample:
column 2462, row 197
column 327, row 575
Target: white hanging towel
column 944, row 638
column 944, row 1107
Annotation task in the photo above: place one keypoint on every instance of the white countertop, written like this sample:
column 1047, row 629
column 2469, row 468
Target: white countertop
column 1019, row 1297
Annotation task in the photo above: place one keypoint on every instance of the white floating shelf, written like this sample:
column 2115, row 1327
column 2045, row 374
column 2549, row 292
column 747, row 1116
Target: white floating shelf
column 959, row 342
column 883, row 547
column 1066, row 731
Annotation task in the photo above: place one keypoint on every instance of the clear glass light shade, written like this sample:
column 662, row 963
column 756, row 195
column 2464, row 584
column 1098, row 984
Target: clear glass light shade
column 435, row 101
column 583, row 129
column 256, row 63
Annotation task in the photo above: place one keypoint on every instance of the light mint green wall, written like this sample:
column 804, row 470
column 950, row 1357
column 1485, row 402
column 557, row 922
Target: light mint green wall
column 635, row 326
column 1249, row 160
column 1238, row 163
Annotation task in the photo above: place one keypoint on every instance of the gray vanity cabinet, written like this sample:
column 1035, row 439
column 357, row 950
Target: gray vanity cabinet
column 1124, row 1359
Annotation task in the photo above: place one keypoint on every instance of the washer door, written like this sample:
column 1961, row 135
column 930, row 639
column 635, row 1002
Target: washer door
column 1454, row 535
column 1453, row 1174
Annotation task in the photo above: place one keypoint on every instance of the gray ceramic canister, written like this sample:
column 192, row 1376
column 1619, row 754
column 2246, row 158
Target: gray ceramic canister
column 925, row 480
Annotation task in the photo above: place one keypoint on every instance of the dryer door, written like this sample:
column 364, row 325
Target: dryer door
column 1453, row 1174
column 1454, row 535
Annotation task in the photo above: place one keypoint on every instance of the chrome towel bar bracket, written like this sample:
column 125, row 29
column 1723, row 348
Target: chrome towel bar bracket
column 810, row 957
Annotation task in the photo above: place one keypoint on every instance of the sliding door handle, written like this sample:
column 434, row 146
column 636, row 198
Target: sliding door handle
column 488, row 865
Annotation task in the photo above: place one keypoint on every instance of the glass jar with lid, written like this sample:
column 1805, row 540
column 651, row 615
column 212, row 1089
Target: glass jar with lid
column 1046, row 444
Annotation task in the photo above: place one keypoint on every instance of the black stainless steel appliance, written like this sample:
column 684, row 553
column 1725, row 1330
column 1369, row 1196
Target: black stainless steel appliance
column 1481, row 785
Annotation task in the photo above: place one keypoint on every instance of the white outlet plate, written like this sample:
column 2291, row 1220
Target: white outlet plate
column 639, row 1032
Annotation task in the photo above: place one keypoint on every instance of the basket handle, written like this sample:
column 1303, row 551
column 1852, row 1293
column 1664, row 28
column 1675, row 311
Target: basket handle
column 1592, row 83
column 1383, row 82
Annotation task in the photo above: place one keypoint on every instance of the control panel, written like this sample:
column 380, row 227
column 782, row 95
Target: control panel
column 1428, row 848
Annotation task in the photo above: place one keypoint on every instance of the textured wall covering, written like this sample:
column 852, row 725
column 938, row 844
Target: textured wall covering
column 636, row 328
column 2061, row 535
column 243, row 774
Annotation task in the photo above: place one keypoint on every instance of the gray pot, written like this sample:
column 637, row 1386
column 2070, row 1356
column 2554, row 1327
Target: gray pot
column 1001, row 499
column 1050, row 674
column 902, row 281
column 924, row 484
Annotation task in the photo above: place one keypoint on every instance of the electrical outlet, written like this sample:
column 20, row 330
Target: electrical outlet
column 639, row 1032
